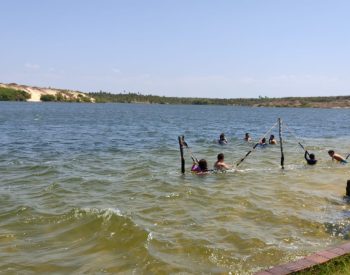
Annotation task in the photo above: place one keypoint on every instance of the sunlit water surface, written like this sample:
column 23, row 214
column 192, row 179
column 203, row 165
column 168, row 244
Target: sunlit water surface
column 93, row 188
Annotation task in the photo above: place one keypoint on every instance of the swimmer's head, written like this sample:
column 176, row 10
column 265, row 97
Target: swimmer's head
column 203, row 165
column 221, row 157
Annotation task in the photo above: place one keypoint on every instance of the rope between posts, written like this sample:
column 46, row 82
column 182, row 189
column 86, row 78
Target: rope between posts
column 192, row 155
column 190, row 151
column 296, row 138
column 290, row 131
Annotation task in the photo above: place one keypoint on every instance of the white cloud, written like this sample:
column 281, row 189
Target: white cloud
column 31, row 66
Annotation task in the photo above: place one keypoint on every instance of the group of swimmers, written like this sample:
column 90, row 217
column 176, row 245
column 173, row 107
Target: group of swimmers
column 311, row 159
column 222, row 139
column 202, row 166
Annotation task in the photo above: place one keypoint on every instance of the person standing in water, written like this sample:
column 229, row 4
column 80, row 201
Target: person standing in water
column 262, row 142
column 201, row 167
column 311, row 160
column 222, row 140
column 337, row 157
column 272, row 140
column 247, row 137
column 220, row 163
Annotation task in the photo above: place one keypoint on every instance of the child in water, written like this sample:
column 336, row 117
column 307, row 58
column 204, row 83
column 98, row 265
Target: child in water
column 220, row 164
column 201, row 167
column 311, row 160
column 337, row 157
column 262, row 142
column 222, row 139
column 272, row 140
column 247, row 137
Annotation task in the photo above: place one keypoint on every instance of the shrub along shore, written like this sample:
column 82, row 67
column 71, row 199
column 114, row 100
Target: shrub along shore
column 306, row 102
column 8, row 94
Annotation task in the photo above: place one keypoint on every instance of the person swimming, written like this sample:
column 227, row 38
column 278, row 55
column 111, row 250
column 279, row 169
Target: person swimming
column 262, row 142
column 201, row 167
column 220, row 164
column 247, row 137
column 311, row 160
column 337, row 157
column 222, row 140
column 272, row 140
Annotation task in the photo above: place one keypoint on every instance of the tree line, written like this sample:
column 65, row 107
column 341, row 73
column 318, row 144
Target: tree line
column 105, row 97
column 10, row 94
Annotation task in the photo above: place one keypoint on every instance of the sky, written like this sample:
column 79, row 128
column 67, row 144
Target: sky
column 185, row 48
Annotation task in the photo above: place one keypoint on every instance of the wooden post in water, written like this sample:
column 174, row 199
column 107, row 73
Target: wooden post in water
column 281, row 142
column 348, row 188
column 181, row 144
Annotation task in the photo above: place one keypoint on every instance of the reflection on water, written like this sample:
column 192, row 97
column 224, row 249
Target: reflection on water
column 90, row 188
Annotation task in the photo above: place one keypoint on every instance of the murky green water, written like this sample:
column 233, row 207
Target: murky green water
column 94, row 188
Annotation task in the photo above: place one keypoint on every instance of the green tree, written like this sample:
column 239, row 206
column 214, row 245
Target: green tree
column 9, row 94
column 47, row 98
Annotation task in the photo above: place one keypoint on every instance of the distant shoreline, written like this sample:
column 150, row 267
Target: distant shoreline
column 36, row 94
column 333, row 102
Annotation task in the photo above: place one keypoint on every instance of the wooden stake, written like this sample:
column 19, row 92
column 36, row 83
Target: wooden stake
column 348, row 188
column 281, row 142
column 181, row 144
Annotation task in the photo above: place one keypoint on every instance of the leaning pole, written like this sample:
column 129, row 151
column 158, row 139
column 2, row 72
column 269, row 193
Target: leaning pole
column 281, row 142
column 181, row 145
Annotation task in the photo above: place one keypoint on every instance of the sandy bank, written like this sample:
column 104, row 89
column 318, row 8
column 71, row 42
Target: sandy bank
column 37, row 92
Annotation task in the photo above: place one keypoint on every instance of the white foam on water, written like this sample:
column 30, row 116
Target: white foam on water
column 105, row 213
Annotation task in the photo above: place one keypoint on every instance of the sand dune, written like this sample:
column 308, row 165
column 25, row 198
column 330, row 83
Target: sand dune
column 37, row 92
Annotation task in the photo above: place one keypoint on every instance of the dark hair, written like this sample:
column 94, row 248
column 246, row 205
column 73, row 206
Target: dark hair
column 203, row 165
column 222, row 136
column 331, row 152
column 312, row 156
column 220, row 156
column 272, row 137
column 263, row 140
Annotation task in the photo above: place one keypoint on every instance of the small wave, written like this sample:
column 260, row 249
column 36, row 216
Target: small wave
column 106, row 213
column 79, row 235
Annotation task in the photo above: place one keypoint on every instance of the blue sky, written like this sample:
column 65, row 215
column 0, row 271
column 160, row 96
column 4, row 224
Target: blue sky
column 198, row 48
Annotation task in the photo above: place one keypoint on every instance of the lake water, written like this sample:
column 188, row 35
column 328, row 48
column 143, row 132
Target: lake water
column 97, row 188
